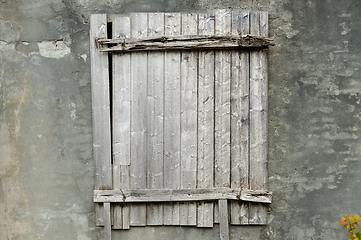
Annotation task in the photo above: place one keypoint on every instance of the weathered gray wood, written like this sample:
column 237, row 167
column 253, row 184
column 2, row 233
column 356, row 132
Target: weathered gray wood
column 107, row 222
column 240, row 118
column 121, row 96
column 126, row 216
column 117, row 216
column 258, row 118
column 155, row 119
column 125, row 184
column 138, row 124
column 239, row 113
column 100, row 110
column 222, row 101
column 172, row 119
column 121, row 118
column 205, row 121
column 185, row 42
column 223, row 219
column 99, row 215
column 188, row 104
column 173, row 195
column 216, row 212
column 116, row 185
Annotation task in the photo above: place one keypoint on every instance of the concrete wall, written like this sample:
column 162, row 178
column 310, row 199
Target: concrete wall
column 46, row 165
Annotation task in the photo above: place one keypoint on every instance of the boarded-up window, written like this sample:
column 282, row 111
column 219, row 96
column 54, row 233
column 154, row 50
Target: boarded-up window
column 180, row 119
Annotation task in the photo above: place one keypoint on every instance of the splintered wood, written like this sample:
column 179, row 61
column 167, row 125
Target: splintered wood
column 188, row 119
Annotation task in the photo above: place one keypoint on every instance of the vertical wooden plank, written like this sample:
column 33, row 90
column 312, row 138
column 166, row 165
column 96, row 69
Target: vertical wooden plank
column 216, row 212
column 138, row 156
column 222, row 103
column 126, row 216
column 107, row 222
column 223, row 219
column 239, row 118
column 121, row 119
column 100, row 110
column 258, row 117
column 121, row 96
column 155, row 118
column 205, row 121
column 172, row 23
column 188, row 110
column 117, row 216
column 99, row 214
column 117, row 208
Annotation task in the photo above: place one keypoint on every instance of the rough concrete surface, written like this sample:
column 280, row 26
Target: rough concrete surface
column 46, row 165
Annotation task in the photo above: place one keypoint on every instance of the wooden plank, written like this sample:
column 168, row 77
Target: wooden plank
column 258, row 118
column 205, row 121
column 216, row 212
column 139, row 119
column 117, row 216
column 172, row 119
column 125, row 184
column 222, row 101
column 107, row 222
column 155, row 119
column 223, row 219
column 240, row 118
column 121, row 96
column 121, row 119
column 184, row 42
column 126, row 216
column 188, row 82
column 100, row 110
column 173, row 195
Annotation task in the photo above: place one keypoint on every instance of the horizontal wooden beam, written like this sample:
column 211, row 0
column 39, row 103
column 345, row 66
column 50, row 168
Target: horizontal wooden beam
column 181, row 195
column 186, row 42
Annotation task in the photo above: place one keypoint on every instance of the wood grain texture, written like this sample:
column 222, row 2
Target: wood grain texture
column 107, row 235
column 184, row 42
column 121, row 98
column 100, row 110
column 222, row 117
column 173, row 195
column 172, row 119
column 223, row 219
column 222, row 104
column 155, row 113
column 205, row 121
column 138, row 124
column 240, row 118
column 189, row 127
column 258, row 118
column 188, row 104
column 117, row 216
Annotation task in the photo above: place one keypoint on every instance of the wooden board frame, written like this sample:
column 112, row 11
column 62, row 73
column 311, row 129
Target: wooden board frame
column 220, row 175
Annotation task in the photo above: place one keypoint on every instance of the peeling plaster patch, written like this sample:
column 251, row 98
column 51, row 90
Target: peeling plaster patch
column 287, row 27
column 9, row 31
column 84, row 56
column 345, row 50
column 345, row 15
column 345, row 29
column 4, row 46
column 53, row 49
column 73, row 115
column 341, row 135
column 72, row 215
column 331, row 56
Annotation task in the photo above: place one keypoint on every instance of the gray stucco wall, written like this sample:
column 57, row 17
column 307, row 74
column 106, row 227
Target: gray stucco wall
column 46, row 165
